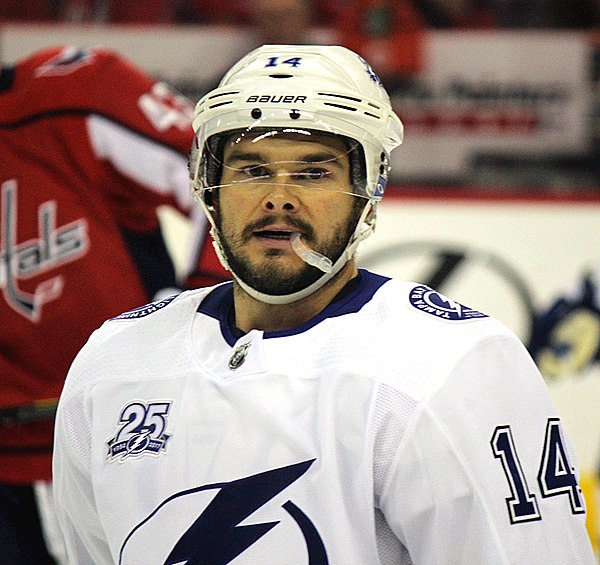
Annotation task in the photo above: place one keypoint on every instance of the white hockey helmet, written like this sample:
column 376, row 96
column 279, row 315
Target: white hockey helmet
column 312, row 88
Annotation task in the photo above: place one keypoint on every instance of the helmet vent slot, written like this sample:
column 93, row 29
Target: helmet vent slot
column 221, row 104
column 340, row 106
column 340, row 96
column 231, row 93
column 372, row 115
column 281, row 76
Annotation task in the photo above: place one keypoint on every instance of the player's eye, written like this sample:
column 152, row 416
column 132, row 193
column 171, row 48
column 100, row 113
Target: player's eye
column 256, row 171
column 313, row 173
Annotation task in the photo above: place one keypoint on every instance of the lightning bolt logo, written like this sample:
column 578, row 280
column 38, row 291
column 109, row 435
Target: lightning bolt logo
column 137, row 443
column 215, row 538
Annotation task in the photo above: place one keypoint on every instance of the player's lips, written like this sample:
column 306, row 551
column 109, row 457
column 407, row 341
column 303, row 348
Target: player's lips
column 275, row 236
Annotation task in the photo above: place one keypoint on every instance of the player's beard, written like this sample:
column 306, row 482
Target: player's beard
column 268, row 276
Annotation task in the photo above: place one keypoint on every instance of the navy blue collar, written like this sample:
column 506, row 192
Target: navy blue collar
column 219, row 305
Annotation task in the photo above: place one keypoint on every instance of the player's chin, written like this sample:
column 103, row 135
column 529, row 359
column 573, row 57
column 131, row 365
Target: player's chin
column 280, row 278
column 281, row 266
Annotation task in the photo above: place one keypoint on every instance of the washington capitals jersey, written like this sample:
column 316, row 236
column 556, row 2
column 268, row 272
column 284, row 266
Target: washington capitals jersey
column 396, row 427
column 90, row 147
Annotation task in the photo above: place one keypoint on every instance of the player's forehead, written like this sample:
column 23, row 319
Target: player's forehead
column 285, row 146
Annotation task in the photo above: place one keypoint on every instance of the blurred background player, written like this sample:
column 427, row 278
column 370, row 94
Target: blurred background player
column 90, row 148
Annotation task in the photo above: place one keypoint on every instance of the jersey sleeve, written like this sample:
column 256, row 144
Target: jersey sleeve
column 145, row 138
column 141, row 128
column 76, row 509
column 138, row 128
column 485, row 472
column 74, row 497
column 102, row 82
column 74, row 491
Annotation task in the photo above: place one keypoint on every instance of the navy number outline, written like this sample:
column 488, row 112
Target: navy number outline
column 522, row 504
column 556, row 475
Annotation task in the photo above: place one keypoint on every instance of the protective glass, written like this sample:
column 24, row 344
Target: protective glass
column 299, row 157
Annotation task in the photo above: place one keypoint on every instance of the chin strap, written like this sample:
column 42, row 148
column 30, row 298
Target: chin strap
column 364, row 229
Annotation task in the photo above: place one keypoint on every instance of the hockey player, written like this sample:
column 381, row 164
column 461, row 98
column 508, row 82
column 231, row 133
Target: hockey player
column 309, row 411
column 90, row 147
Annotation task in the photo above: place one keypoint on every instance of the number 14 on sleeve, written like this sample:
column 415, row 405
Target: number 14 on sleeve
column 555, row 476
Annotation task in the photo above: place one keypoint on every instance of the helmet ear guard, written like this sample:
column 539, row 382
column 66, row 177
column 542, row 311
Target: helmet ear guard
column 320, row 89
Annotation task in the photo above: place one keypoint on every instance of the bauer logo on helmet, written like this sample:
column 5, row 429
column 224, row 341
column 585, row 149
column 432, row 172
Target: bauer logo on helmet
column 276, row 98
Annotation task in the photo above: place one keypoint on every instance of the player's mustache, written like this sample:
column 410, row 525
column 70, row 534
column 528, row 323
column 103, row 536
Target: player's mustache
column 306, row 229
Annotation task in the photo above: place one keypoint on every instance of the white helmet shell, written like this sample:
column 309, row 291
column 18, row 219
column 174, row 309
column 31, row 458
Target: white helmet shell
column 329, row 89
column 307, row 86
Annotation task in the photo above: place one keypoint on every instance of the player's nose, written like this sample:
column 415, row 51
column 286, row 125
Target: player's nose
column 280, row 196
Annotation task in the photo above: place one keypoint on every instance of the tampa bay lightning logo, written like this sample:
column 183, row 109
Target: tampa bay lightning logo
column 207, row 522
column 432, row 302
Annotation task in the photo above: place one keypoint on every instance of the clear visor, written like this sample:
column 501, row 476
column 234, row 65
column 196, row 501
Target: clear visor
column 295, row 157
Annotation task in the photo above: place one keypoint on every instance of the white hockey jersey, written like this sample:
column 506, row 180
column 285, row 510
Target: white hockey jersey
column 396, row 427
